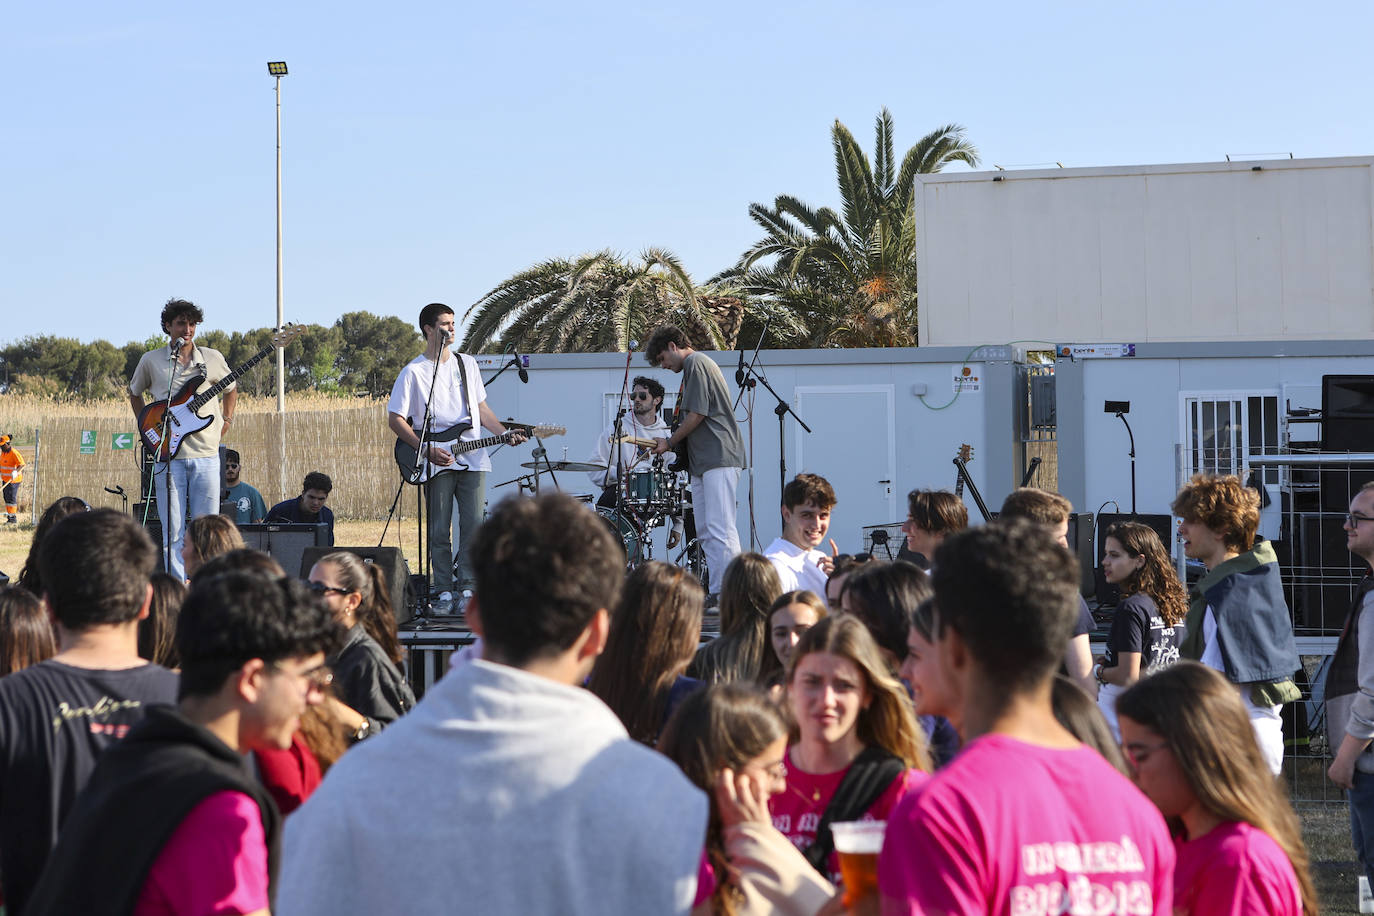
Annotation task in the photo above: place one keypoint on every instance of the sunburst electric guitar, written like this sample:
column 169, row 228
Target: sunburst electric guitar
column 162, row 427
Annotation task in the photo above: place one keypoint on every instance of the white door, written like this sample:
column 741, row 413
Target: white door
column 852, row 445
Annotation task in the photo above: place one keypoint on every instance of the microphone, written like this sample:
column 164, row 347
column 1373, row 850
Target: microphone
column 520, row 367
column 178, row 344
column 739, row 373
column 446, row 334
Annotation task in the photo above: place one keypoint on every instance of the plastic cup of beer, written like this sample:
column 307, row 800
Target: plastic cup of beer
column 858, row 844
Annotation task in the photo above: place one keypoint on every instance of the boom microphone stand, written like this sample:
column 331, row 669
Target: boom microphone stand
column 782, row 409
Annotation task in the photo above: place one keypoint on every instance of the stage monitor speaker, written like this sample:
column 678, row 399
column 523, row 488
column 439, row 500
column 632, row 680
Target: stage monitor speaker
column 1347, row 426
column 391, row 563
column 1324, row 575
column 1081, row 546
column 1109, row 595
column 286, row 542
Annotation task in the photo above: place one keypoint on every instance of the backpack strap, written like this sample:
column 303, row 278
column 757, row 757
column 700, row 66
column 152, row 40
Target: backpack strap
column 868, row 777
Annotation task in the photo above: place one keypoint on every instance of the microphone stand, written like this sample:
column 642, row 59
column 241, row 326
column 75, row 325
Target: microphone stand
column 424, row 536
column 617, row 453
column 167, row 465
column 782, row 409
column 1121, row 415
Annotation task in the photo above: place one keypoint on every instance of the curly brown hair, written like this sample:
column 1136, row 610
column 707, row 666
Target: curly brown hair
column 1156, row 579
column 1224, row 504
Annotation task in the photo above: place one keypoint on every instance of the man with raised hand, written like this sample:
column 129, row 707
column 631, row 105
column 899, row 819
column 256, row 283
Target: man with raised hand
column 806, row 503
column 536, row 800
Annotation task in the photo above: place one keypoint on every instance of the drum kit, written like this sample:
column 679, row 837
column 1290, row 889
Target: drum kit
column 648, row 499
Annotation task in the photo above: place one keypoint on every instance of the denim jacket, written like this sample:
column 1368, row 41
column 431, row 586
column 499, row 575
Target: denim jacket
column 1254, row 629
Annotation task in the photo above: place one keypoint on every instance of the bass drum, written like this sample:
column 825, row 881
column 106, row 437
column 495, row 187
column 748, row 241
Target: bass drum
column 627, row 532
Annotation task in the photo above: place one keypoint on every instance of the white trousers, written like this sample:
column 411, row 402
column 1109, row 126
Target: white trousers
column 713, row 502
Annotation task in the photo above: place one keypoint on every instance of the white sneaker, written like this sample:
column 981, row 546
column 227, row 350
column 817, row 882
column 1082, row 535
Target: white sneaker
column 443, row 604
column 464, row 598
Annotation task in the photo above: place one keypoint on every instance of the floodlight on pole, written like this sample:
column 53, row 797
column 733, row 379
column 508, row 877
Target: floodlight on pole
column 277, row 69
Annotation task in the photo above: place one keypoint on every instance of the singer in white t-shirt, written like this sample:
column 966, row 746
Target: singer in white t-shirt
column 458, row 397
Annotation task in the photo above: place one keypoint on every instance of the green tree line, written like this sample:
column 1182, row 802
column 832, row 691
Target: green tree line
column 358, row 355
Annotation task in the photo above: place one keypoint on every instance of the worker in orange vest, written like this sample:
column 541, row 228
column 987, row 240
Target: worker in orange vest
column 11, row 473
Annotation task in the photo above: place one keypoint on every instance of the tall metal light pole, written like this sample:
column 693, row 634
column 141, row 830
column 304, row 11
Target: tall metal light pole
column 277, row 68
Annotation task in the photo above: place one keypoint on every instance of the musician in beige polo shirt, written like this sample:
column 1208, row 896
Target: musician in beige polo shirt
column 190, row 482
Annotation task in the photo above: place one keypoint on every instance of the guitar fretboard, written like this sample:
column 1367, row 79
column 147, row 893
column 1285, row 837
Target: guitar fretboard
column 205, row 396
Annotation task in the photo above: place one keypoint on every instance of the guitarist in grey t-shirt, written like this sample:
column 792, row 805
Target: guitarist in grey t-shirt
column 705, row 423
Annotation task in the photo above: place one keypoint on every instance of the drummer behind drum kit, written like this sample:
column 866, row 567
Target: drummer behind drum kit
column 649, row 499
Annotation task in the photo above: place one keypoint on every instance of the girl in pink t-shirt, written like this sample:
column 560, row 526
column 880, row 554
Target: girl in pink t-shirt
column 1190, row 745
column 845, row 702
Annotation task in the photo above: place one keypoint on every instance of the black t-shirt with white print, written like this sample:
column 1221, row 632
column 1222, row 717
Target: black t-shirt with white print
column 1138, row 627
column 55, row 719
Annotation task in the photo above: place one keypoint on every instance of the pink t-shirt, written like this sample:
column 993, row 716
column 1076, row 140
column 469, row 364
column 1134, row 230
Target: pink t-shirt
column 214, row 862
column 797, row 809
column 1232, row 870
column 1011, row 828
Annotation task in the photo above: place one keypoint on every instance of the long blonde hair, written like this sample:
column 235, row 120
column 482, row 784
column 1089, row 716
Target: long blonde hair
column 889, row 721
column 1199, row 713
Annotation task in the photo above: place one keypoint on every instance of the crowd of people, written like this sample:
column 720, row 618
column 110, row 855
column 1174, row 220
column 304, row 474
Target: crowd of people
column 249, row 738
column 220, row 737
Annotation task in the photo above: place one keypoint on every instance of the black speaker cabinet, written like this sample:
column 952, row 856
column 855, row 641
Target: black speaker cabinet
column 286, row 542
column 1347, row 426
column 1081, row 546
column 391, row 563
column 1324, row 573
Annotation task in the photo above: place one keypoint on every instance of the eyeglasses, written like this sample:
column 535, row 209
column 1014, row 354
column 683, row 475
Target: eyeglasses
column 776, row 770
column 1139, row 753
column 230, row 464
column 320, row 588
column 318, row 679
column 642, row 396
column 1354, row 519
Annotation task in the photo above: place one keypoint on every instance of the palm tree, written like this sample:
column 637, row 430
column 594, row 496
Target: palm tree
column 847, row 278
column 596, row 303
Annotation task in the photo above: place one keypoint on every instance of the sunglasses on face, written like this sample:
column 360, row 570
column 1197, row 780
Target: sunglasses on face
column 320, row 588
column 642, row 396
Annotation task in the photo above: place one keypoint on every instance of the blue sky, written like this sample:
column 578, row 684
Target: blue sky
column 432, row 150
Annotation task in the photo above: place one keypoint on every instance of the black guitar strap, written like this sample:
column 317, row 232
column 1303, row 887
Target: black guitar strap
column 868, row 777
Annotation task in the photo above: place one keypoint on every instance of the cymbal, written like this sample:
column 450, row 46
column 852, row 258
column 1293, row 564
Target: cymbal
column 560, row 466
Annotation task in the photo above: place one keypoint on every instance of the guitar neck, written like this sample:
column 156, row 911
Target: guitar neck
column 474, row 444
column 204, row 397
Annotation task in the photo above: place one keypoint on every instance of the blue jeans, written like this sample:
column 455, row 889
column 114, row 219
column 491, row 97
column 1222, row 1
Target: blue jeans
column 194, row 484
column 469, row 490
column 1362, row 821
